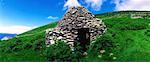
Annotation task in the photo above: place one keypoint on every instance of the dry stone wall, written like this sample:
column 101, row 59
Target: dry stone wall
column 74, row 19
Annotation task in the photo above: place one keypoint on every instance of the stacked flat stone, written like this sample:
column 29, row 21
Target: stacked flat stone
column 75, row 18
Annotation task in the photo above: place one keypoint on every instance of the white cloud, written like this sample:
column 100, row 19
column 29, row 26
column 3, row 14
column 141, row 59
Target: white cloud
column 71, row 3
column 52, row 17
column 95, row 4
column 14, row 29
column 132, row 5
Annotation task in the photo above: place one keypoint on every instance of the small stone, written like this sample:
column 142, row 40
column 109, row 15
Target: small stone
column 102, row 51
column 85, row 53
column 100, row 56
column 60, row 37
column 111, row 54
column 114, row 58
column 52, row 41
column 92, row 31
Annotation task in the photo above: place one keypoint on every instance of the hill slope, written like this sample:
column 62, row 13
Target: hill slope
column 130, row 36
column 127, row 14
column 28, row 46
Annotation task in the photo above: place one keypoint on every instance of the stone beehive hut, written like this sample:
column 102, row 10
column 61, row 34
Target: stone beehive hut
column 77, row 25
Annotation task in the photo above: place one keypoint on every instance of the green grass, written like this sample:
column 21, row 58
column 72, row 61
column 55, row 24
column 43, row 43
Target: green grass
column 25, row 47
column 128, row 39
column 132, row 37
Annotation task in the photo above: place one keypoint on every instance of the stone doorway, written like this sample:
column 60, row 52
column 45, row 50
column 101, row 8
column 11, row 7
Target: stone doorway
column 83, row 39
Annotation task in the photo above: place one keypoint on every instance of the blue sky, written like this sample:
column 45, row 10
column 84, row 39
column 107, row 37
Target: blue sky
column 27, row 14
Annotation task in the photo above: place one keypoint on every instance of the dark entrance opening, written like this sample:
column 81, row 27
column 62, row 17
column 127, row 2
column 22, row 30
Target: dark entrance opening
column 83, row 39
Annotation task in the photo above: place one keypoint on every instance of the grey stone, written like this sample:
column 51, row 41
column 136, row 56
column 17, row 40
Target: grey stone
column 75, row 18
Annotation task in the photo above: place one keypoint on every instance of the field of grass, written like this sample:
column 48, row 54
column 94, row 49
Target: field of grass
column 26, row 47
column 133, row 38
column 125, row 40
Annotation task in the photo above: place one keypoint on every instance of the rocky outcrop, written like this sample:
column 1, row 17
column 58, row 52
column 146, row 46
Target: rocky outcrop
column 73, row 20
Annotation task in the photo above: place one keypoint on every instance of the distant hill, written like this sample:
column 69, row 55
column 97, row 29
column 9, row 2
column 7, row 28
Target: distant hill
column 131, row 35
column 127, row 14
column 2, row 35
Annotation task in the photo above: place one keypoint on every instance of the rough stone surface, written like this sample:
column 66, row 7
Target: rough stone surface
column 75, row 18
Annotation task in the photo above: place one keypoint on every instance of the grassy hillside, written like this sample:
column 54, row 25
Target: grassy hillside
column 122, row 14
column 126, row 40
column 28, row 46
column 133, row 37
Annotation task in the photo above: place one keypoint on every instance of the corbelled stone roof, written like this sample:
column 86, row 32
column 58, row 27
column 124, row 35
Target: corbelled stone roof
column 75, row 18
